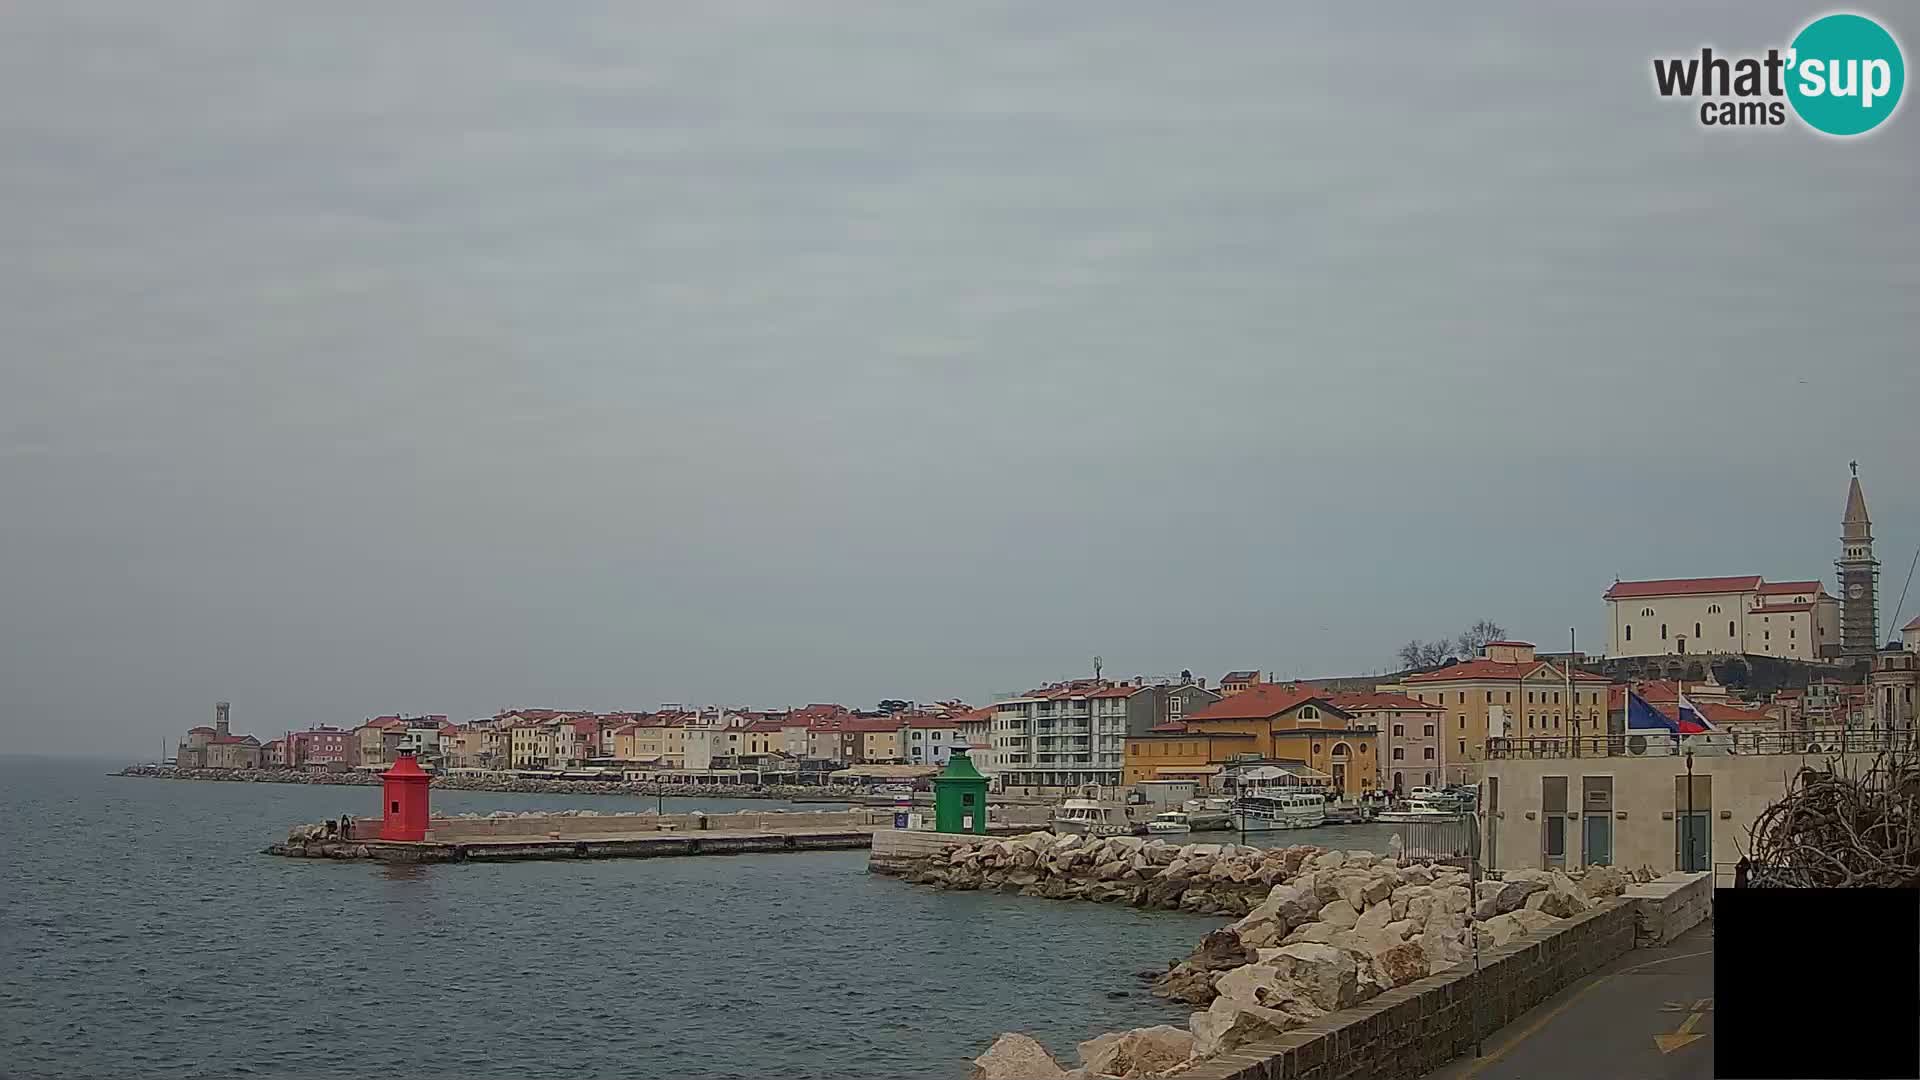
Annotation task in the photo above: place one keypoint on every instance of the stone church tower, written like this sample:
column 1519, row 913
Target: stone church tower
column 1858, row 575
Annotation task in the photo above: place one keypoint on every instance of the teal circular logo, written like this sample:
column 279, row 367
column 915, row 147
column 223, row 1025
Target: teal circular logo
column 1845, row 74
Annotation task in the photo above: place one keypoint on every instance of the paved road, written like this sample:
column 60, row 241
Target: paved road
column 1605, row 1027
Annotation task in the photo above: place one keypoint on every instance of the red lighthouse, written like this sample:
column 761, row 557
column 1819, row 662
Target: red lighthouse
column 403, row 797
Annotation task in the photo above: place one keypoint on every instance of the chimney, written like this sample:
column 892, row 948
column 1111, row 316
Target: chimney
column 220, row 711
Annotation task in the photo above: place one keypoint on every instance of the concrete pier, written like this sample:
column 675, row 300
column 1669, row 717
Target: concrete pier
column 603, row 836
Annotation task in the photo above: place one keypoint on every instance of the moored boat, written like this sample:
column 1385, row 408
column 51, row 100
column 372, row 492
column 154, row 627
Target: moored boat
column 1169, row 823
column 1091, row 817
column 1264, row 811
column 1421, row 810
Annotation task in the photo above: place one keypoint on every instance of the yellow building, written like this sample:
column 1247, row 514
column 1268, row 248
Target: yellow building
column 1264, row 722
column 1509, row 694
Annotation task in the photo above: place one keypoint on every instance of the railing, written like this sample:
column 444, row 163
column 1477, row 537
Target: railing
column 1811, row 743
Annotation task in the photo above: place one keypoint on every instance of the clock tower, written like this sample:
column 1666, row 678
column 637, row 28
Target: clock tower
column 1858, row 575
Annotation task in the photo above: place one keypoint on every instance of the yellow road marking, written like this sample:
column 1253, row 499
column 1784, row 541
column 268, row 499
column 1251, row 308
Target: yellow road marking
column 1669, row 1043
column 1534, row 1028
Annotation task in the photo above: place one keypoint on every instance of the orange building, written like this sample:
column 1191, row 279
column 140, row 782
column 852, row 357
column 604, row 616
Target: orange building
column 1264, row 722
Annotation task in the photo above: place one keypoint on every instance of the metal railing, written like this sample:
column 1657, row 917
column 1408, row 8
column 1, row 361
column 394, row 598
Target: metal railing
column 1810, row 743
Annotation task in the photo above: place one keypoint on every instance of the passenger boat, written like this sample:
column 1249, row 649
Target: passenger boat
column 1090, row 817
column 1421, row 810
column 1350, row 813
column 1272, row 809
column 1171, row 822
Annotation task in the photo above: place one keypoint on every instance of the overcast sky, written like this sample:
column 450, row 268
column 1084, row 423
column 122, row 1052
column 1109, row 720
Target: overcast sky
column 456, row 357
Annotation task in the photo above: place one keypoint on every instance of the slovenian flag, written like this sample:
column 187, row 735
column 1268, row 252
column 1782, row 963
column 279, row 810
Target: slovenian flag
column 1693, row 720
column 1642, row 716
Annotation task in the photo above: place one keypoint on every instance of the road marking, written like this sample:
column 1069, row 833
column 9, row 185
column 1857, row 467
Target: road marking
column 1684, row 1036
column 1534, row 1028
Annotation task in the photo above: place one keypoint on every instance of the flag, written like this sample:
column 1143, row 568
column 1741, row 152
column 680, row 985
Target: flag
column 1643, row 717
column 1693, row 719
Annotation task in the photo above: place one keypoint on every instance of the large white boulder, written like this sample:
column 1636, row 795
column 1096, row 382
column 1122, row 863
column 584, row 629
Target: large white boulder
column 1014, row 1056
column 1340, row 914
column 1325, row 974
column 1137, row 1053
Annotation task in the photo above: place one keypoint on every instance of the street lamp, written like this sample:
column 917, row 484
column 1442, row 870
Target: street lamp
column 1686, row 832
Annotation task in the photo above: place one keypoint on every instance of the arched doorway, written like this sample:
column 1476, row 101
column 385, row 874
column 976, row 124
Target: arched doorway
column 1340, row 755
column 1398, row 781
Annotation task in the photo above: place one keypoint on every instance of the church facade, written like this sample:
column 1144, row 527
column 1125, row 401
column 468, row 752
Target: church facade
column 1791, row 620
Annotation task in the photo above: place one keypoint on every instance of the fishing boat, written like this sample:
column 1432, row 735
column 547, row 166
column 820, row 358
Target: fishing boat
column 1209, row 813
column 1169, row 823
column 1091, row 817
column 1264, row 811
column 1422, row 810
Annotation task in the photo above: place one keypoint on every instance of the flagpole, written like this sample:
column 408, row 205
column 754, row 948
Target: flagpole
column 1572, row 719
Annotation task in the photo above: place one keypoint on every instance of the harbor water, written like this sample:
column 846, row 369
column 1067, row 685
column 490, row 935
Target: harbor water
column 142, row 933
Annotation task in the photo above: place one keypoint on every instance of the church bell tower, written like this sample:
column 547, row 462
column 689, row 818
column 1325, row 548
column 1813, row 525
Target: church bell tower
column 1858, row 575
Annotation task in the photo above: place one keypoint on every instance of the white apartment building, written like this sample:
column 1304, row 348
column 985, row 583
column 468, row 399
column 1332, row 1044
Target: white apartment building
column 1061, row 737
column 1795, row 620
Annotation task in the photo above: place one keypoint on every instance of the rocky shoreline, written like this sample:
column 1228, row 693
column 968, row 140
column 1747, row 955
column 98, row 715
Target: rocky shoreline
column 515, row 786
column 1318, row 931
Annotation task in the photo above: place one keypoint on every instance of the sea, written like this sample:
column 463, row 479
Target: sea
column 143, row 933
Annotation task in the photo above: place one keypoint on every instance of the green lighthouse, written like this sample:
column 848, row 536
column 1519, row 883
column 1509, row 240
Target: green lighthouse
column 960, row 797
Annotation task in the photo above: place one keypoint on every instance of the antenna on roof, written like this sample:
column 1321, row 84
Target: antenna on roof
column 1097, row 665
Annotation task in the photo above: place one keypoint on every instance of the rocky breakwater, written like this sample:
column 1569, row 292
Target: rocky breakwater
column 1337, row 929
column 1212, row 879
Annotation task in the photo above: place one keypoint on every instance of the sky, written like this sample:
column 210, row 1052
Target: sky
column 446, row 357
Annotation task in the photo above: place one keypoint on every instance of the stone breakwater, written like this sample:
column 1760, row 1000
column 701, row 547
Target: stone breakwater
column 516, row 786
column 1318, row 931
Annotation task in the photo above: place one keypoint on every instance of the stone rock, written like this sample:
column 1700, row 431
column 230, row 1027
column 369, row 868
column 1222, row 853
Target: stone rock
column 1502, row 928
column 1110, row 871
column 1506, row 896
column 1014, row 1056
column 1417, row 874
column 1402, row 964
column 1402, row 929
column 1324, row 974
column 1328, row 860
column 1543, row 877
column 1443, row 948
column 1362, row 859
column 959, row 855
column 1561, row 899
column 1453, row 898
column 1137, row 1053
column 1340, row 914
column 1602, row 882
column 1185, row 984
column 1293, row 903
column 1534, row 920
column 1374, row 920
column 1321, row 932
column 1219, row 950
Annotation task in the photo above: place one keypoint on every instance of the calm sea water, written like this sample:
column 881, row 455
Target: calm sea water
column 141, row 933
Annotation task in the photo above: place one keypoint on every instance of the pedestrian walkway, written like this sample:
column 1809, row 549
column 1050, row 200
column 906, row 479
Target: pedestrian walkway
column 1648, row 1014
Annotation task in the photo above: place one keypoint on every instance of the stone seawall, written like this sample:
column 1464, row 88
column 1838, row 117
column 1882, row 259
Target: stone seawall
column 1410, row 1030
column 1320, row 932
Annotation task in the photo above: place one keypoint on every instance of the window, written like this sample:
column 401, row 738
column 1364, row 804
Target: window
column 1713, row 609
column 1729, row 627
column 1309, row 713
column 1556, row 697
column 1696, row 630
column 1429, row 731
column 1529, row 697
column 1463, row 698
column 1792, row 634
column 1629, row 631
column 1509, row 699
column 1134, row 750
column 1399, row 754
column 1647, row 611
column 1429, row 754
column 1663, row 631
column 1399, row 730
column 1463, row 723
column 1463, row 748
column 1766, row 635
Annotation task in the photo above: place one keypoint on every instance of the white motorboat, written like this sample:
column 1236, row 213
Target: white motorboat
column 1268, row 810
column 1420, row 810
column 1210, row 812
column 1090, row 817
column 1170, row 822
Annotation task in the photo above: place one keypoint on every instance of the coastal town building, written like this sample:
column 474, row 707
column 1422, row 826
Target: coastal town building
column 1410, row 739
column 1506, row 691
column 930, row 740
column 1233, row 682
column 1294, row 725
column 1060, row 737
column 1795, row 620
column 1858, row 573
column 273, row 754
column 217, row 747
column 1910, row 635
column 378, row 740
column 1894, row 688
column 319, row 746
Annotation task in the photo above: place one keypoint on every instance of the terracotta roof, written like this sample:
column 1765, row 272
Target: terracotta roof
column 1774, row 588
column 920, row 721
column 1377, row 701
column 1496, row 669
column 1683, row 586
column 1171, row 727
column 1722, row 713
column 1263, row 700
column 1117, row 692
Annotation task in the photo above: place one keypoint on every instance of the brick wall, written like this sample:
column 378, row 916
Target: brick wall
column 1409, row 1031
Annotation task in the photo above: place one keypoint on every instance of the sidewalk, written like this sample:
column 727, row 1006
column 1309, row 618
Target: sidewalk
column 1648, row 1014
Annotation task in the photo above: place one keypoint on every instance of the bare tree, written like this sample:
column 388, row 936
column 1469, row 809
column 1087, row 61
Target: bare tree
column 1475, row 637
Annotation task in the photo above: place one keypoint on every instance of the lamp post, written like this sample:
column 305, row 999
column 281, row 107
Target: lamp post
column 1686, row 833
